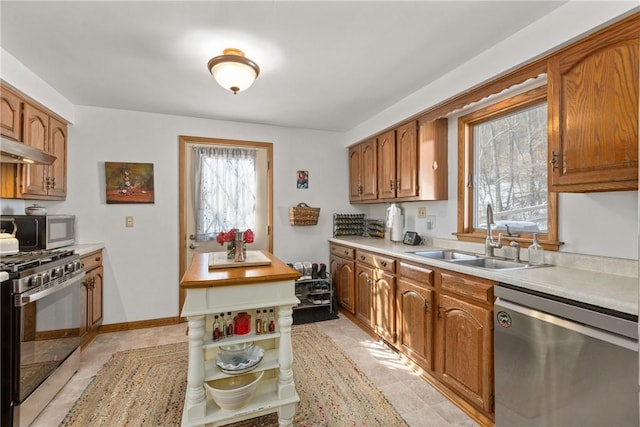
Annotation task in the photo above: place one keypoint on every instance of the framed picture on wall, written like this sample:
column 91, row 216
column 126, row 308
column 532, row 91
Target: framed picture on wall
column 129, row 182
column 303, row 179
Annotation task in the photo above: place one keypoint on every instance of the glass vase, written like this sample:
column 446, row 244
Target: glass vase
column 231, row 250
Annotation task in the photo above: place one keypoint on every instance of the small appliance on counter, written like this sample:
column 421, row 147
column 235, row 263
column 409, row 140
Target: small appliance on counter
column 35, row 232
column 412, row 238
column 395, row 223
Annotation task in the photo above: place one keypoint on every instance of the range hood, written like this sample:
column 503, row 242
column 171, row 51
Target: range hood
column 17, row 152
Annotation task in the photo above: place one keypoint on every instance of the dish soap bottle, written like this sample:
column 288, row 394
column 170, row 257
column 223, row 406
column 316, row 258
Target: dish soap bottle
column 536, row 252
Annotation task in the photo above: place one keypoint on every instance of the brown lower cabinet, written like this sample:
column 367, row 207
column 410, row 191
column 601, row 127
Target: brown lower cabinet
column 342, row 268
column 92, row 284
column 415, row 319
column 364, row 296
column 464, row 347
column 439, row 319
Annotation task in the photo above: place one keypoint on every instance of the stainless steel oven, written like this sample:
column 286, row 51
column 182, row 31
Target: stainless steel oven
column 43, row 319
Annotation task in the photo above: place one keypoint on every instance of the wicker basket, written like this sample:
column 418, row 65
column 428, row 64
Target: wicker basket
column 302, row 214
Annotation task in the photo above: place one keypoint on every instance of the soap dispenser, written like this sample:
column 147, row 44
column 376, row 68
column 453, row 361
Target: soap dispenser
column 536, row 252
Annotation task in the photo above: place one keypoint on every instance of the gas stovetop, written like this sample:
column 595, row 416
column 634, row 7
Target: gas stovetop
column 30, row 259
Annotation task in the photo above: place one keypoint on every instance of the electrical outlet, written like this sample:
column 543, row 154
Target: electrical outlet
column 128, row 221
column 431, row 222
column 422, row 213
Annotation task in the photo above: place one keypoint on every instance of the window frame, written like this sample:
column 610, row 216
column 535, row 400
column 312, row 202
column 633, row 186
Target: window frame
column 466, row 231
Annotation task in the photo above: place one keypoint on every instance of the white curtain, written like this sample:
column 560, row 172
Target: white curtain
column 225, row 190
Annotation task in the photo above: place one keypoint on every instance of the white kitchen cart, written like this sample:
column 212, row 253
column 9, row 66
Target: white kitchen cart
column 237, row 289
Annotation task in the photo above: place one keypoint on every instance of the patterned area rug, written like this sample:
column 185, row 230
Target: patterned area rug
column 146, row 387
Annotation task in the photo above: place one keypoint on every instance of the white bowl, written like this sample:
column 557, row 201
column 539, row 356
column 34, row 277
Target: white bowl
column 237, row 362
column 234, row 392
column 35, row 210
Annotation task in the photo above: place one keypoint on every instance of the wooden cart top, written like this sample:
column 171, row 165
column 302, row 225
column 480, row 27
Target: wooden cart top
column 198, row 274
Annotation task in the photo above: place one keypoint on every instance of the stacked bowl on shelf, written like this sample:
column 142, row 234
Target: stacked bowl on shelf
column 238, row 360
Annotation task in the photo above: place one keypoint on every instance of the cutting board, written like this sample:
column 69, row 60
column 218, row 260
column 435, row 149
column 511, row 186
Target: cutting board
column 253, row 258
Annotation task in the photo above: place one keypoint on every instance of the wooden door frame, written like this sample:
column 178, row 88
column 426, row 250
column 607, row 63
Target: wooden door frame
column 183, row 140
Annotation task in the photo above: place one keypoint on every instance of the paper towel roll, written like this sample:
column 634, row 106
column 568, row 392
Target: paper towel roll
column 397, row 228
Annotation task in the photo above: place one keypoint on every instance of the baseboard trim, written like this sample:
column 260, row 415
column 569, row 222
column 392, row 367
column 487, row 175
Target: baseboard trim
column 141, row 324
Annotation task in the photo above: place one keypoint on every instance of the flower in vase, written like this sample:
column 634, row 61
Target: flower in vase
column 230, row 236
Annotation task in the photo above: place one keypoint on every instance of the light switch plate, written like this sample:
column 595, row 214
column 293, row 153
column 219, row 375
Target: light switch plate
column 422, row 212
column 128, row 221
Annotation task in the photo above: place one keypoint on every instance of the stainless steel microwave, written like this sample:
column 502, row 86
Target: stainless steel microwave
column 36, row 232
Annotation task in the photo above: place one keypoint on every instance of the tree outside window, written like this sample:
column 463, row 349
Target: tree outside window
column 504, row 159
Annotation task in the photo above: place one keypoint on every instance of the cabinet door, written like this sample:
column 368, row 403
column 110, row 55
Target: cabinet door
column 593, row 114
column 415, row 323
column 369, row 170
column 96, row 295
column 407, row 161
column 364, row 295
column 432, row 152
column 385, row 306
column 464, row 350
column 36, row 134
column 344, row 282
column 387, row 179
column 10, row 115
column 355, row 173
column 56, row 179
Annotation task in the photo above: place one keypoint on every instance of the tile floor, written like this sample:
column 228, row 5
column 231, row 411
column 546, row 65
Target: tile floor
column 416, row 401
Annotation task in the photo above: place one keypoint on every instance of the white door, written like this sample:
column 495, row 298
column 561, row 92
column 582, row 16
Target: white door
column 263, row 218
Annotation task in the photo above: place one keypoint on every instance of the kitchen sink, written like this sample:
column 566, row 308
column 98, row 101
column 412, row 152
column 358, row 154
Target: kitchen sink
column 471, row 260
column 491, row 263
column 445, row 254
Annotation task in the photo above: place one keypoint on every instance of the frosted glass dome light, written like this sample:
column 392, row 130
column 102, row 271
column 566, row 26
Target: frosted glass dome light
column 233, row 71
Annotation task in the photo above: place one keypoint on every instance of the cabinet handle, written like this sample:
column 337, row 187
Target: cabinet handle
column 435, row 165
column 439, row 312
column 53, row 182
column 390, row 184
column 362, row 257
column 555, row 159
column 383, row 263
column 426, row 306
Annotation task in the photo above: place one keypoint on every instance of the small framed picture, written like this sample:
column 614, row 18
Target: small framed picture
column 129, row 182
column 303, row 179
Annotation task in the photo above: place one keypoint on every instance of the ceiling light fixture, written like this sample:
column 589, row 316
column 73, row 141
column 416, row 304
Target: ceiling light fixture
column 233, row 71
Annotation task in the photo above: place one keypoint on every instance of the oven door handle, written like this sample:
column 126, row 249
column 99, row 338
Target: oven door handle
column 26, row 299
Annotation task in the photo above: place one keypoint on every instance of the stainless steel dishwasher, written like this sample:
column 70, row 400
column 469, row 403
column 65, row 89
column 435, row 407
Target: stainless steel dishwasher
column 562, row 363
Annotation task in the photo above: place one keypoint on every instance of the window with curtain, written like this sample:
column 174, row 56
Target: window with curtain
column 225, row 190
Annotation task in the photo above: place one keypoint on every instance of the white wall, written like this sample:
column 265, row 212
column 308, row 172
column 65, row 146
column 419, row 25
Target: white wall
column 141, row 263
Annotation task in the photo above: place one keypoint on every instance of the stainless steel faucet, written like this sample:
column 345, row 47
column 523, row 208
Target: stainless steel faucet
column 516, row 250
column 491, row 244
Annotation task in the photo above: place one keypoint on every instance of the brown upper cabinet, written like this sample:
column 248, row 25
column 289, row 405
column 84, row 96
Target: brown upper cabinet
column 593, row 113
column 398, row 162
column 10, row 114
column 411, row 164
column 47, row 134
column 22, row 121
column 363, row 182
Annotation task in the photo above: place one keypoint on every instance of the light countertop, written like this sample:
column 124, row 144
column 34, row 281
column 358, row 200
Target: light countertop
column 602, row 288
column 84, row 249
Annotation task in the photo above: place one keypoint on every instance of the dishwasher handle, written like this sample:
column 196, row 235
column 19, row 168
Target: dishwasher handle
column 615, row 339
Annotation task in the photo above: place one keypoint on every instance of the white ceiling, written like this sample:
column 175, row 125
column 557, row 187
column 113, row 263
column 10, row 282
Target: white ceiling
column 324, row 65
